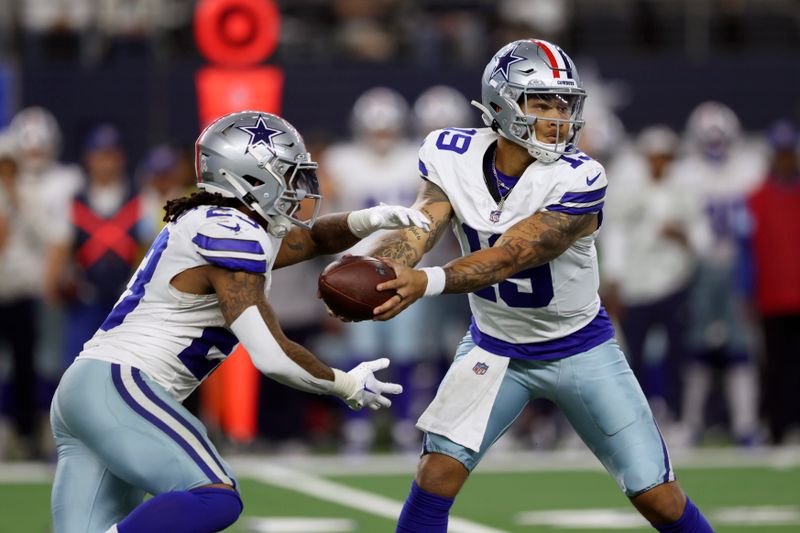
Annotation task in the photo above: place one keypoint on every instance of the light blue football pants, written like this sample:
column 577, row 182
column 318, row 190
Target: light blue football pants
column 119, row 436
column 600, row 397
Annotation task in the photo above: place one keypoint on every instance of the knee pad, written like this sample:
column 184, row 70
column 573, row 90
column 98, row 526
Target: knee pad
column 223, row 506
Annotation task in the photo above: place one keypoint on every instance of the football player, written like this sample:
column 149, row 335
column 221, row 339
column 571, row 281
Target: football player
column 526, row 206
column 202, row 288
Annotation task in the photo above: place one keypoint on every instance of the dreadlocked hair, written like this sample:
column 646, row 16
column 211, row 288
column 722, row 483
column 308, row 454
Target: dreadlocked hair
column 175, row 208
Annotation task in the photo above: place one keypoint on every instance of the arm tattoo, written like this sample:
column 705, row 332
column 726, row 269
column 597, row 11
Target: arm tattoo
column 532, row 242
column 238, row 291
column 438, row 227
column 407, row 246
column 396, row 246
column 432, row 193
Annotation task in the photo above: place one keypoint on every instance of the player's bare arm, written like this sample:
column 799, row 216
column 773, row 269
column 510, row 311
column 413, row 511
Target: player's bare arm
column 407, row 246
column 529, row 243
column 534, row 241
column 335, row 233
column 330, row 234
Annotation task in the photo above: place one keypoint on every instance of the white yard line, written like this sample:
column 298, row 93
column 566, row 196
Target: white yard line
column 324, row 489
column 535, row 461
column 26, row 472
column 496, row 461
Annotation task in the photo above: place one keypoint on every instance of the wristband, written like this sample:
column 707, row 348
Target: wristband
column 436, row 280
column 359, row 223
column 344, row 385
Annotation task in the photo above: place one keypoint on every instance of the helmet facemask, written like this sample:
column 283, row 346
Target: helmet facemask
column 521, row 129
column 277, row 195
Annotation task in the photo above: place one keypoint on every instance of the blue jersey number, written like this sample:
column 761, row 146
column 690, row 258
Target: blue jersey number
column 540, row 277
column 455, row 140
column 143, row 277
column 576, row 161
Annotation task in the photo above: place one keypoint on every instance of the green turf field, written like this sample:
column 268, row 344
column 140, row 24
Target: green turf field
column 523, row 494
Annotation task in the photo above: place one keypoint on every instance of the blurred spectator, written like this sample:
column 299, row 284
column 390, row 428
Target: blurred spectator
column 379, row 165
column 54, row 28
column 37, row 137
column 46, row 185
column 366, row 29
column 545, row 19
column 652, row 233
column 721, row 169
column 776, row 256
column 159, row 181
column 23, row 234
column 99, row 243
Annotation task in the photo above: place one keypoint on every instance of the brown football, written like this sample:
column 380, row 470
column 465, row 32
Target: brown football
column 347, row 286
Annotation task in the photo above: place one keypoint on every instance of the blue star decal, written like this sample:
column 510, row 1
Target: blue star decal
column 505, row 61
column 260, row 133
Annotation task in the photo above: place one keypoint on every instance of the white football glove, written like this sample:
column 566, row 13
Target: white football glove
column 359, row 388
column 383, row 216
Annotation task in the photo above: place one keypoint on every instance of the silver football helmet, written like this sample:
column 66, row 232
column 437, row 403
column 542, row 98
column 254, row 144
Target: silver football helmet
column 525, row 70
column 441, row 107
column 262, row 160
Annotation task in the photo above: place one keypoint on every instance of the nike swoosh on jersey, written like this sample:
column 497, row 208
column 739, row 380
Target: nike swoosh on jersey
column 235, row 228
column 589, row 182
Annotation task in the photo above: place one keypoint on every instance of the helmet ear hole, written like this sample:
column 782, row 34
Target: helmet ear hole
column 252, row 180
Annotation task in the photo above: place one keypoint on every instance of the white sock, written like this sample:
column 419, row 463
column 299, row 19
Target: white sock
column 697, row 384
column 741, row 391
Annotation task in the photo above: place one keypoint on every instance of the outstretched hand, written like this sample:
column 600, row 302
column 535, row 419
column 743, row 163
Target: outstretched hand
column 369, row 390
column 410, row 285
column 396, row 216
column 383, row 216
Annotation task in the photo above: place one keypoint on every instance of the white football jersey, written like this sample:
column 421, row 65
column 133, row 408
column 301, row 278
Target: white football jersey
column 363, row 178
column 545, row 312
column 176, row 338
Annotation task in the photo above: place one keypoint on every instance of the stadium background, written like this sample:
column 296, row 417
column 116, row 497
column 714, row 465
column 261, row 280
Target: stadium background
column 135, row 64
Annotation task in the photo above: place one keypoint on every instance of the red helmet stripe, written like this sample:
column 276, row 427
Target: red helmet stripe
column 550, row 57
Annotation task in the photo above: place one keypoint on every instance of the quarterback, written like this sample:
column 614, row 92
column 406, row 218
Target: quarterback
column 525, row 205
column 120, row 429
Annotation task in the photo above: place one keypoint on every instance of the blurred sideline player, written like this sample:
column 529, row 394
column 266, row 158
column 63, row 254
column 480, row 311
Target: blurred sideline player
column 98, row 241
column 371, row 168
column 776, row 285
column 649, row 253
column 23, row 235
column 436, row 108
column 38, row 139
column 526, row 207
column 202, row 288
column 722, row 169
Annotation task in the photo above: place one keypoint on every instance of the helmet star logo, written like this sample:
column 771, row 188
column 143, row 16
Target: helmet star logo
column 505, row 61
column 260, row 133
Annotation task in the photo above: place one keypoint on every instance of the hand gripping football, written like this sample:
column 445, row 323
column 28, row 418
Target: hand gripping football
column 347, row 286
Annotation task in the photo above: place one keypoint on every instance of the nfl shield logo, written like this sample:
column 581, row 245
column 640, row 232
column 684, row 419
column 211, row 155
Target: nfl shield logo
column 494, row 216
column 480, row 368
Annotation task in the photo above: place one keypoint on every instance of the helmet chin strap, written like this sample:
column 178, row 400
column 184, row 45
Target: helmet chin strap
column 487, row 115
column 277, row 225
